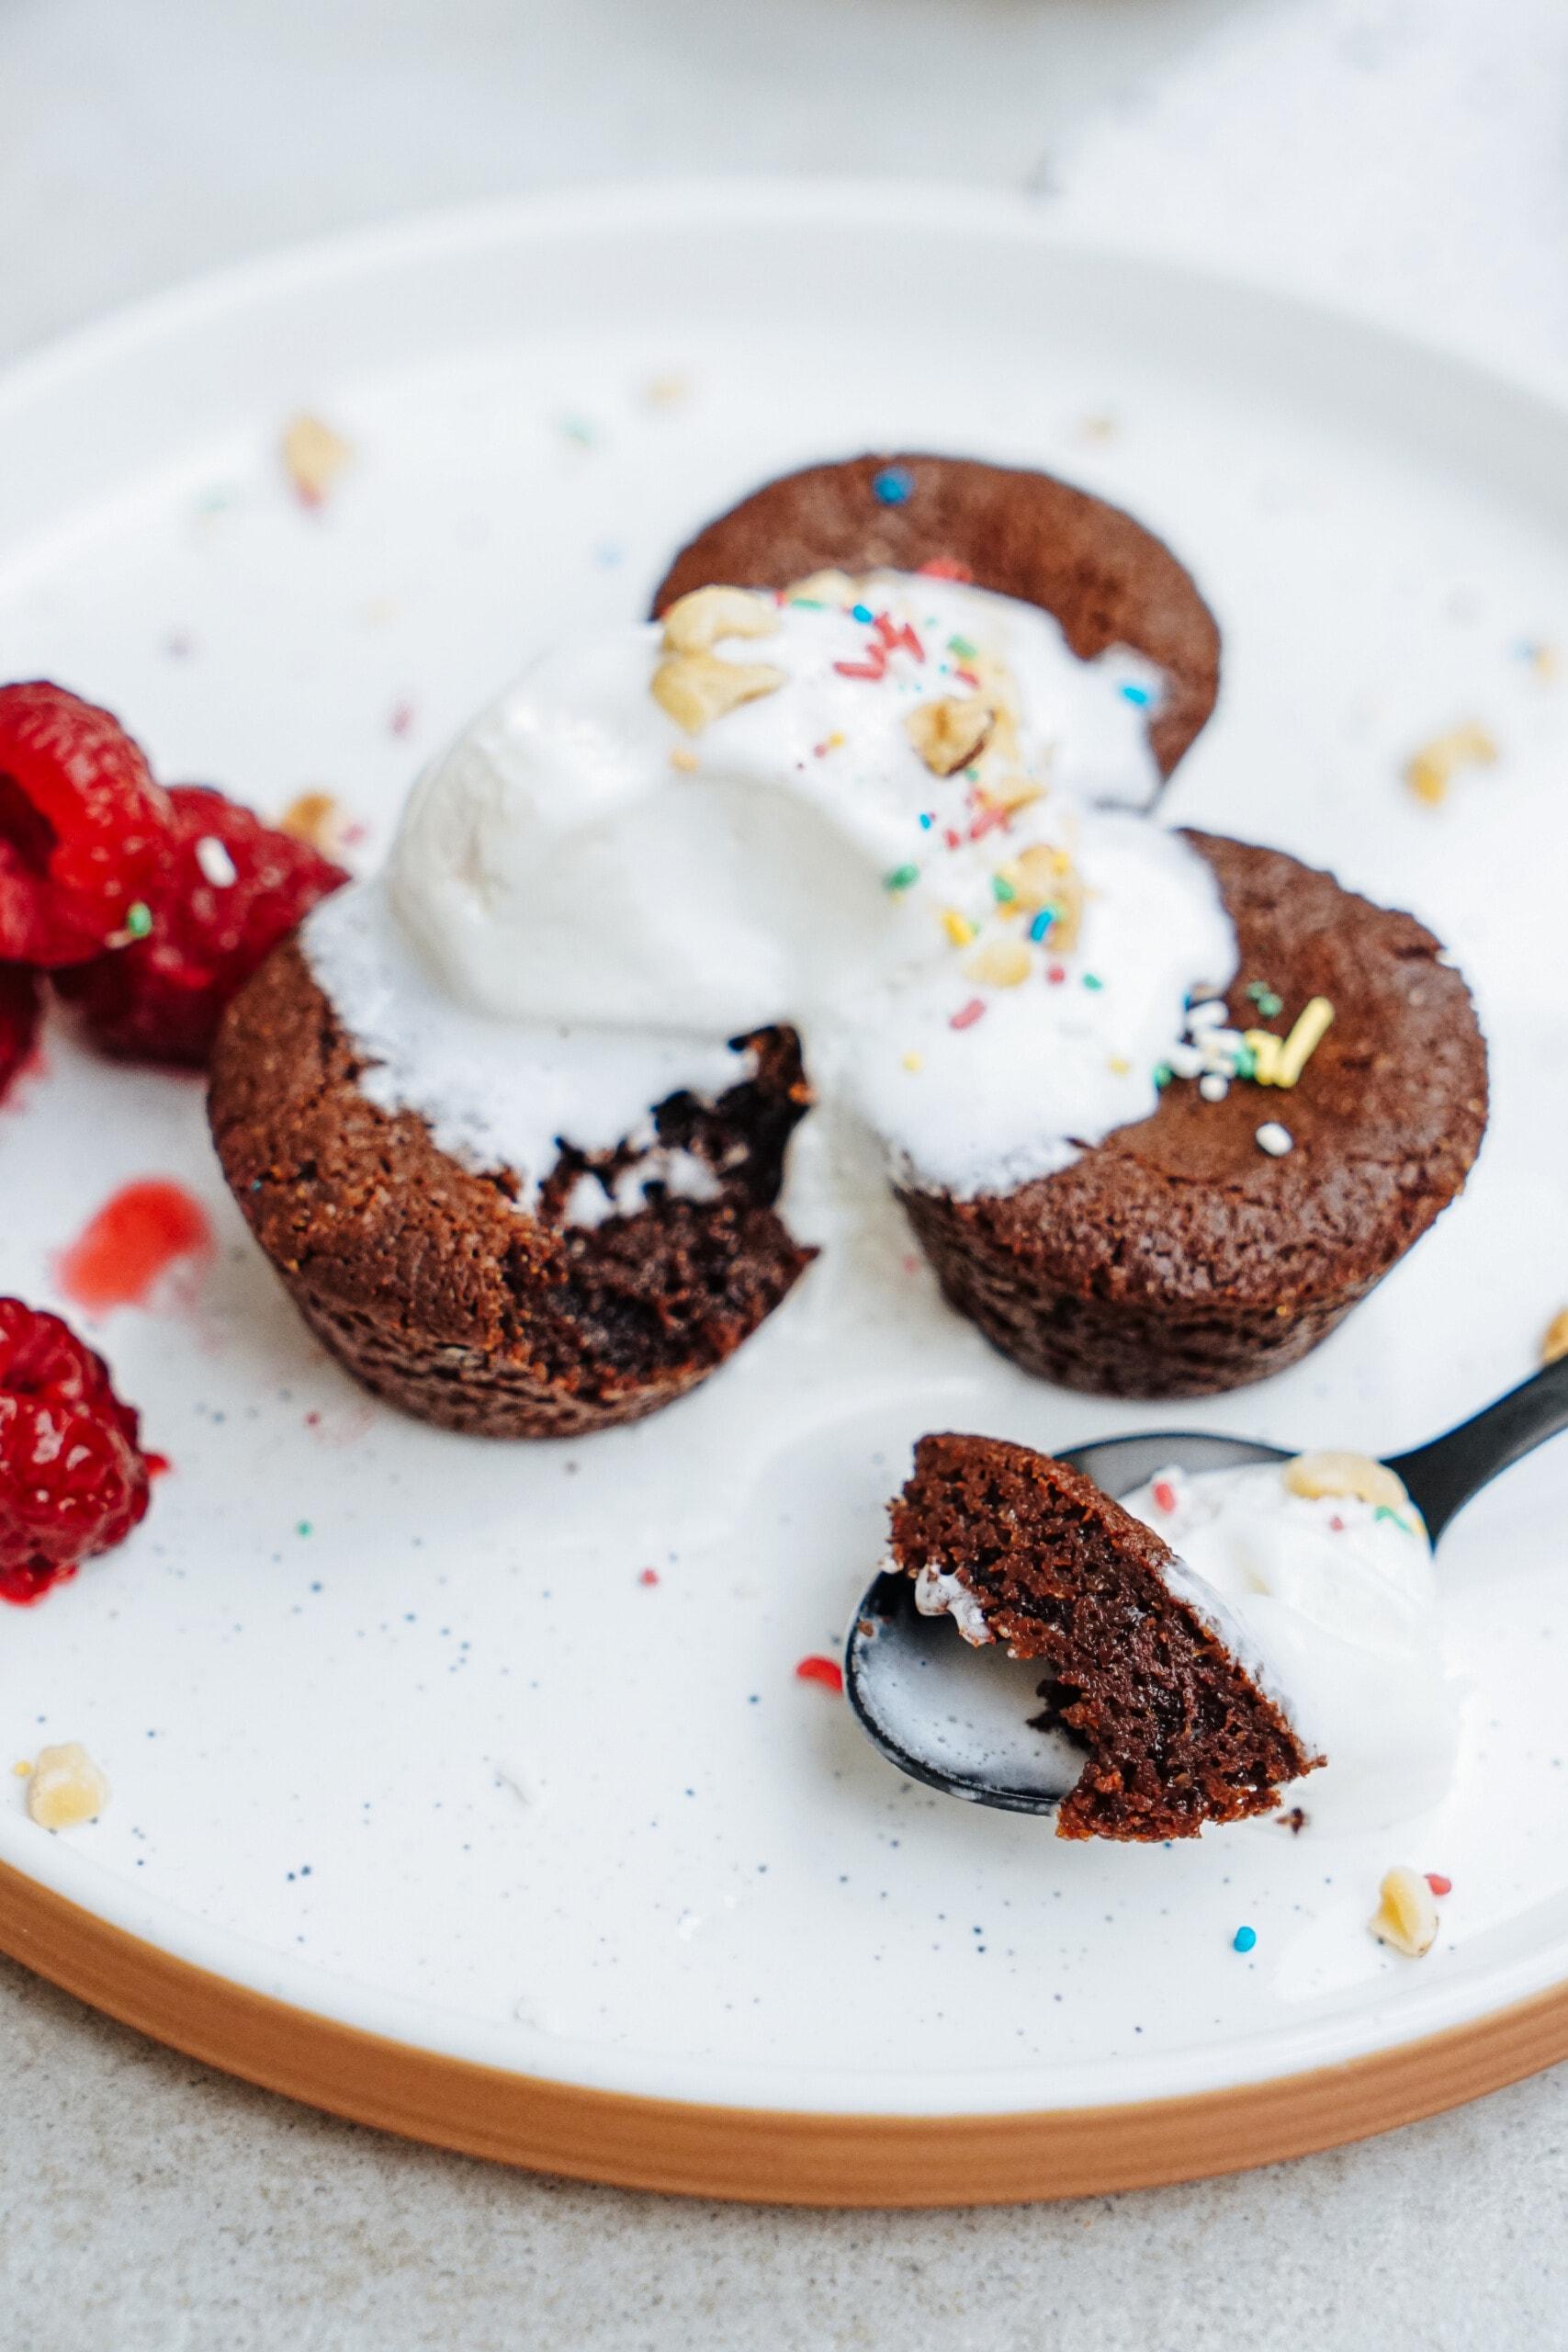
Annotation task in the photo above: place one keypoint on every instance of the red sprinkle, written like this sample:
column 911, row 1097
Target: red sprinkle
column 1439, row 1883
column 967, row 677
column 649, row 1575
column 402, row 718
column 1164, row 1495
column 874, row 666
column 122, row 1254
column 968, row 1014
column 987, row 822
column 903, row 635
column 1055, row 974
column 826, row 1670
column 950, row 838
column 1336, row 1523
column 946, row 566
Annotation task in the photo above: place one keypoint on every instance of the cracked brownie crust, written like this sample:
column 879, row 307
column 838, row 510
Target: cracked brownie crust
column 1107, row 579
column 426, row 1281
column 1175, row 1258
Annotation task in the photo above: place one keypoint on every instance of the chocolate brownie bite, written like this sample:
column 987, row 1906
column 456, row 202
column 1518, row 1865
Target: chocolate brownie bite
column 1020, row 1549
column 632, row 1275
column 1221, row 1240
column 1105, row 578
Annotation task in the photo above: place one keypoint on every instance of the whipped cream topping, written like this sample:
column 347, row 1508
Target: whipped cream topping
column 1331, row 1603
column 865, row 810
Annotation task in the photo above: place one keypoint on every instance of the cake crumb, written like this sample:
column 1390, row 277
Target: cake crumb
column 313, row 457
column 1555, row 1339
column 1406, row 1915
column 67, row 1788
column 1429, row 770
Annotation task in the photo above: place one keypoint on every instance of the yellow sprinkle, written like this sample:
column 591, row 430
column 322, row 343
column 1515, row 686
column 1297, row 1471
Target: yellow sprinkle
column 1312, row 1026
column 914, row 1061
column 836, row 740
column 1266, row 1053
column 1555, row 1341
column 666, row 391
column 685, row 760
column 1120, row 1066
column 959, row 928
column 1000, row 964
column 1431, row 770
column 1545, row 662
column 22, row 1771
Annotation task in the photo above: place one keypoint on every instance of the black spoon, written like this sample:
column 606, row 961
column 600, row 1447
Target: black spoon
column 958, row 1717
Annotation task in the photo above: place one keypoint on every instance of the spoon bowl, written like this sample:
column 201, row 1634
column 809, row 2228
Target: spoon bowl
column 968, row 1720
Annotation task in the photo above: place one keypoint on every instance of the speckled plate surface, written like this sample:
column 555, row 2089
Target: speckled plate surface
column 500, row 1752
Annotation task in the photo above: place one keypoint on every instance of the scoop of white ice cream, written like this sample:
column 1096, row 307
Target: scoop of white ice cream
column 1335, row 1602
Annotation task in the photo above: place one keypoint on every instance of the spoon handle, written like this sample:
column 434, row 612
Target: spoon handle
column 1443, row 1476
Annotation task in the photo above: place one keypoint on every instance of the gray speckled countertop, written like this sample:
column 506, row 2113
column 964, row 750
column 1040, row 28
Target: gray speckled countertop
column 150, row 2206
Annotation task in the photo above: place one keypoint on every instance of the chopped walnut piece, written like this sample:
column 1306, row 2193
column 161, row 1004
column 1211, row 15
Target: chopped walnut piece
column 1555, row 1339
column 1406, row 1915
column 318, row 819
column 694, row 624
column 1347, row 1473
column 1431, row 770
column 313, row 456
column 696, row 688
column 67, row 1788
column 950, row 732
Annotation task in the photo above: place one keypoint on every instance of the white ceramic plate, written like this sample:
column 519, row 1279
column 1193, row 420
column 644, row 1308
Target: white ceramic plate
column 396, row 1731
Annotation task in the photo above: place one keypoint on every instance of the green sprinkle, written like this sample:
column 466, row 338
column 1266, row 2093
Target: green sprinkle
column 304, row 1528
column 962, row 647
column 809, row 603
column 901, row 877
column 1002, row 890
column 1383, row 1511
column 1092, row 981
column 1162, row 1075
column 139, row 920
column 1265, row 998
column 1245, row 1062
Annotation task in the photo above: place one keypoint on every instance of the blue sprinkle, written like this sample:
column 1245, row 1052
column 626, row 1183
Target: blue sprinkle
column 893, row 485
column 1139, row 694
column 1244, row 1939
column 1041, row 923
column 927, row 820
column 862, row 613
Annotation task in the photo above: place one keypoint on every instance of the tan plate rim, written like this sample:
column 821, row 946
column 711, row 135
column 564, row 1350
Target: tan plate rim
column 760, row 2155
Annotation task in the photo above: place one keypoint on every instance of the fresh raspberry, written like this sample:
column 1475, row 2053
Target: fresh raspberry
column 18, row 1019
column 72, row 1476
column 81, row 821
column 228, row 889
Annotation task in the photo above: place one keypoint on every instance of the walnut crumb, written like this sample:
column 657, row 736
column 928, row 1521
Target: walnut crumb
column 1406, row 1915
column 67, row 1788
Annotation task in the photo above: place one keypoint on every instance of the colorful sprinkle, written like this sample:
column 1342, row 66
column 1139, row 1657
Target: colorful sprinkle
column 903, row 877
column 862, row 613
column 1002, row 890
column 1244, row 1940
column 892, row 486
column 1119, row 1065
column 1264, row 997
column 946, row 566
column 1041, row 923
column 1055, row 974
column 1439, row 1883
column 913, row 1061
column 825, row 1670
column 959, row 928
column 966, row 1016
column 1162, row 1075
column 963, row 648
column 648, row 1577
column 927, row 820
column 1092, row 981
column 1164, row 1494
column 1138, row 695
column 139, row 920
column 1275, row 1139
